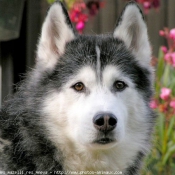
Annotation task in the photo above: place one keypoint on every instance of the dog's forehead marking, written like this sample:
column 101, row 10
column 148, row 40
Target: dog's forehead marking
column 98, row 66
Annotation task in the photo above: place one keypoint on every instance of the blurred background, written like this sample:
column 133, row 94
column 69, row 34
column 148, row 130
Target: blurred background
column 20, row 26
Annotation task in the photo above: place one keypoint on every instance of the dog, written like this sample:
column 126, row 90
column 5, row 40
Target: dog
column 84, row 108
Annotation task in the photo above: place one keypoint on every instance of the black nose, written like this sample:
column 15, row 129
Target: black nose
column 105, row 122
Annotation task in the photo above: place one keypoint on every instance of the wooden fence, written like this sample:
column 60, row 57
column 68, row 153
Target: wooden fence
column 155, row 19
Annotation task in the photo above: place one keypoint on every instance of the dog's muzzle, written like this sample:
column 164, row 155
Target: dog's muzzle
column 105, row 122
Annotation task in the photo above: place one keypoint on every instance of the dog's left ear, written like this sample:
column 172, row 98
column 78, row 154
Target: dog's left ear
column 56, row 32
column 131, row 28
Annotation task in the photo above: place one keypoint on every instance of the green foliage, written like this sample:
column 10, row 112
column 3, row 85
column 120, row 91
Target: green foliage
column 50, row 1
column 161, row 160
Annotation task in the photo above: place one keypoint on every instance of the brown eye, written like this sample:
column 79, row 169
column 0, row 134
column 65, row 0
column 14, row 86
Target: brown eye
column 79, row 87
column 119, row 85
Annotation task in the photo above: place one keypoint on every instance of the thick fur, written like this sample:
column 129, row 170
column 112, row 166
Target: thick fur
column 48, row 126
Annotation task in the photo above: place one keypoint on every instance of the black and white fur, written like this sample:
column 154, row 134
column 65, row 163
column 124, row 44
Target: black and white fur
column 48, row 125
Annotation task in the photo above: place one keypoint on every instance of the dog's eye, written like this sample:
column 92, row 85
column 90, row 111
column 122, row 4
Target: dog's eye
column 78, row 86
column 120, row 85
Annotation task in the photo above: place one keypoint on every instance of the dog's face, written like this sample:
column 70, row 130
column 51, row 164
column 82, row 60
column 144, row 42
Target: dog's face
column 98, row 87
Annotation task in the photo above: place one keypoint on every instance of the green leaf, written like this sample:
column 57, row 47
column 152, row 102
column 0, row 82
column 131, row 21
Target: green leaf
column 161, row 127
column 171, row 143
column 172, row 84
column 160, row 65
column 50, row 1
column 159, row 72
column 166, row 76
column 170, row 152
column 171, row 126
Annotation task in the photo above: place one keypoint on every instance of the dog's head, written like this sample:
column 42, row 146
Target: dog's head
column 97, row 88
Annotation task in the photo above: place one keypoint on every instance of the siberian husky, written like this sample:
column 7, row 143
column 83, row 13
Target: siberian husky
column 85, row 106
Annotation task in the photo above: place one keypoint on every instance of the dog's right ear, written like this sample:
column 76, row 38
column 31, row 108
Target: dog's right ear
column 57, row 30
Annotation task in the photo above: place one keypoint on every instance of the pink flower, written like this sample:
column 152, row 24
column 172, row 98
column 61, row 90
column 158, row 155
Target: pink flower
column 153, row 104
column 170, row 58
column 165, row 93
column 172, row 34
column 147, row 5
column 167, row 57
column 156, row 3
column 93, row 7
column 161, row 33
column 164, row 49
column 80, row 26
column 173, row 59
column 172, row 104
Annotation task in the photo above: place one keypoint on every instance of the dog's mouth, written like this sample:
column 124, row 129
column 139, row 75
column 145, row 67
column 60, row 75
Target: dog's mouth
column 104, row 141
